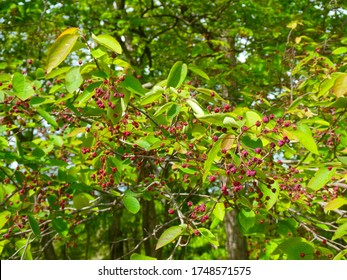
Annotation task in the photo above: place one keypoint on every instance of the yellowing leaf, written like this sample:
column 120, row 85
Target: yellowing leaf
column 335, row 203
column 340, row 86
column 76, row 131
column 60, row 50
column 292, row 24
column 227, row 142
column 71, row 31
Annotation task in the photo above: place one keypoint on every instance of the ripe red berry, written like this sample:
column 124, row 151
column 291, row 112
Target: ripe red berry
column 265, row 119
column 212, row 178
column 171, row 211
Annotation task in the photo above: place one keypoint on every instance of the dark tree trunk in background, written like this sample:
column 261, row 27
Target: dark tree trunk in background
column 149, row 222
column 48, row 249
column 116, row 235
column 236, row 243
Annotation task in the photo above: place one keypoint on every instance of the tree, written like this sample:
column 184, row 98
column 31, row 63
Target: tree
column 121, row 145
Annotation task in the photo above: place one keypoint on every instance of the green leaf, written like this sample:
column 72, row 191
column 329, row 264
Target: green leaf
column 207, row 94
column 335, row 203
column 195, row 107
column 56, row 140
column 81, row 200
column 34, row 226
column 341, row 255
column 340, row 103
column 133, row 85
column 343, row 160
column 36, row 101
column 169, row 235
column 215, row 119
column 108, row 42
column 292, row 248
column 173, row 111
column 152, row 95
column 177, row 74
column 73, row 79
column 24, row 248
column 340, row 50
column 136, row 257
column 163, row 108
column 131, row 203
column 4, row 217
column 219, row 211
column 40, row 73
column 251, row 118
column 60, row 50
column 61, row 226
column 246, row 218
column 58, row 72
column 198, row 71
column 340, row 232
column 270, row 194
column 211, row 157
column 22, row 88
column 209, row 236
column 87, row 93
column 3, row 244
column 321, row 178
column 252, row 143
column 115, row 114
column 47, row 117
column 52, row 199
column 304, row 136
column 229, row 121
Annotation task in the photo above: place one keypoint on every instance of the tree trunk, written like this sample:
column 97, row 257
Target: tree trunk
column 149, row 222
column 48, row 249
column 116, row 236
column 235, row 242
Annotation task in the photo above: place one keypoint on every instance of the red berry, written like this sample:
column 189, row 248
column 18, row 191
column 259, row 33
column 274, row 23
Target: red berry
column 265, row 119
column 212, row 179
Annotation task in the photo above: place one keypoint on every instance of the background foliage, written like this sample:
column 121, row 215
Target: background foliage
column 171, row 129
